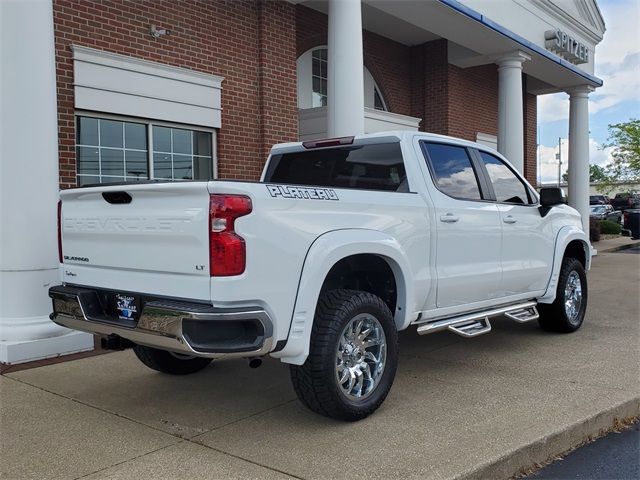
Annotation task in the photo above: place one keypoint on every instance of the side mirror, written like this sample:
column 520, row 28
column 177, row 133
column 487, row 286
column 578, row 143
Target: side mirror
column 550, row 197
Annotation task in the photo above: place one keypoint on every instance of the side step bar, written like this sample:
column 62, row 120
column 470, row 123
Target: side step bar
column 474, row 324
column 472, row 329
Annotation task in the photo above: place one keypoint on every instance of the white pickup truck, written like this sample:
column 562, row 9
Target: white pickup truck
column 343, row 243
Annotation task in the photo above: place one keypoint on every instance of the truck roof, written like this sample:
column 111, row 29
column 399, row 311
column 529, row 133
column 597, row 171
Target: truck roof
column 385, row 136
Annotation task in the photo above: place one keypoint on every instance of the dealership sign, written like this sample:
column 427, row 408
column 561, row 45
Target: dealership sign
column 566, row 46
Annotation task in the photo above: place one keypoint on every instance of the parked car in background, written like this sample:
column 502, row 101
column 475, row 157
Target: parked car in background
column 623, row 201
column 599, row 200
column 605, row 212
column 632, row 222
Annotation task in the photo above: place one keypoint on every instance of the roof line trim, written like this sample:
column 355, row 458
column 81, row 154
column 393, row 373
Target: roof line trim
column 487, row 22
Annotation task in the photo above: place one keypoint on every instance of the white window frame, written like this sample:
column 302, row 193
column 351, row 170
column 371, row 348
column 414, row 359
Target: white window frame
column 149, row 123
column 304, row 75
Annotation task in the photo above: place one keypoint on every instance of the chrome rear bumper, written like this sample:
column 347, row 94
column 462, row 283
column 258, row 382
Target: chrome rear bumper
column 183, row 327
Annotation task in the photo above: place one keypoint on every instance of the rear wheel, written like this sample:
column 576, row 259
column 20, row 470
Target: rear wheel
column 170, row 362
column 566, row 313
column 352, row 359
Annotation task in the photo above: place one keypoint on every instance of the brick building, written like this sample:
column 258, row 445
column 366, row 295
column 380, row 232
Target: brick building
column 192, row 89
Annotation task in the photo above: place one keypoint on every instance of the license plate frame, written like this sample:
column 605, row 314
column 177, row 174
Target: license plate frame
column 127, row 306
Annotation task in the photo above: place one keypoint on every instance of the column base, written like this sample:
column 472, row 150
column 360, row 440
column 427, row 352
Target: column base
column 20, row 351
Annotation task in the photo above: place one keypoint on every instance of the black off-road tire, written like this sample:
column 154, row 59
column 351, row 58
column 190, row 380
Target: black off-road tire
column 553, row 317
column 166, row 362
column 315, row 381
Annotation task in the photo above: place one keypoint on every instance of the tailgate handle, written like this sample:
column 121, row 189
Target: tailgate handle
column 117, row 197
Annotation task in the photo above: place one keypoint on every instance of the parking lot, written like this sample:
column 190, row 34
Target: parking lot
column 459, row 408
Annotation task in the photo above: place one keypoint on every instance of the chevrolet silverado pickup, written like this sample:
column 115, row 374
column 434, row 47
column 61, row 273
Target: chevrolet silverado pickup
column 342, row 244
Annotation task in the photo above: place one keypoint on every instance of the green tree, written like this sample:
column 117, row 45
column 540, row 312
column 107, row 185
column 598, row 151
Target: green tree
column 624, row 141
column 597, row 174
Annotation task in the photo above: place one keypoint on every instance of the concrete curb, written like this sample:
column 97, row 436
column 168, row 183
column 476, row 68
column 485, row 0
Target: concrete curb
column 617, row 248
column 525, row 457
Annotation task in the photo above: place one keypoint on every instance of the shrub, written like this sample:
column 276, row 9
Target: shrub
column 609, row 227
column 594, row 230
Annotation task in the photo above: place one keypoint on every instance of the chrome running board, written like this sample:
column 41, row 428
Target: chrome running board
column 472, row 329
column 523, row 315
column 477, row 323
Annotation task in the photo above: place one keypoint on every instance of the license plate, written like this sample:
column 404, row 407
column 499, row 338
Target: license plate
column 127, row 307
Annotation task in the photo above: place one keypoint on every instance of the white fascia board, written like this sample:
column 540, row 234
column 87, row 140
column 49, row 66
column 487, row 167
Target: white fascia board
column 124, row 62
column 118, row 84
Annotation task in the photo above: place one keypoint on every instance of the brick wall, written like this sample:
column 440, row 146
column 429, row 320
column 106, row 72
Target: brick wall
column 434, row 109
column 453, row 101
column 277, row 74
column 531, row 138
column 473, row 101
column 218, row 37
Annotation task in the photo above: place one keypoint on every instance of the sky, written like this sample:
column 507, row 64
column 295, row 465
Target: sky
column 617, row 63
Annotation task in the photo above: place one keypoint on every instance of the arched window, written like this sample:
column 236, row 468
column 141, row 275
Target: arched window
column 312, row 82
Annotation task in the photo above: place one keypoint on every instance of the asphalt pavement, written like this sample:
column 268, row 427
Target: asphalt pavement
column 616, row 456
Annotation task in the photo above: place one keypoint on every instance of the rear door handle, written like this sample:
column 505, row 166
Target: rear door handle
column 449, row 218
column 509, row 219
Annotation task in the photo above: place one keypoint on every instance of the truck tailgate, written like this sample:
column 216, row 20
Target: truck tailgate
column 147, row 238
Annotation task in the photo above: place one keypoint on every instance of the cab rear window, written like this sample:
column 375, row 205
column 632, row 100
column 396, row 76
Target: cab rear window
column 369, row 167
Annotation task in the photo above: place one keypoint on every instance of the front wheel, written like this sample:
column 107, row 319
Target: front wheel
column 566, row 313
column 169, row 362
column 353, row 355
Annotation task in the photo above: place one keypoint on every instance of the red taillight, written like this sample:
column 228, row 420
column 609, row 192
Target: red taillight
column 60, row 231
column 227, row 250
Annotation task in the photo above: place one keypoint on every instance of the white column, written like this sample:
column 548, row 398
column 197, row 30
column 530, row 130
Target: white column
column 579, row 152
column 510, row 110
column 29, row 186
column 345, row 91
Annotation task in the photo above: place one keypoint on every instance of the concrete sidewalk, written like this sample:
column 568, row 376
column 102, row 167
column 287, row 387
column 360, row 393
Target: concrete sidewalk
column 478, row 408
column 615, row 244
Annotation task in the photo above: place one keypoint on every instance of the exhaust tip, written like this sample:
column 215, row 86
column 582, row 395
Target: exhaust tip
column 254, row 362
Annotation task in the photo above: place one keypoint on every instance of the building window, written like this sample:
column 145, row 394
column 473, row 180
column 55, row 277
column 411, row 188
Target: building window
column 378, row 104
column 180, row 154
column 319, row 77
column 312, row 82
column 112, row 150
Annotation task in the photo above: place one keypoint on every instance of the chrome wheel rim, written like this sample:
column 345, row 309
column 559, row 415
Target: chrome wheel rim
column 361, row 356
column 573, row 296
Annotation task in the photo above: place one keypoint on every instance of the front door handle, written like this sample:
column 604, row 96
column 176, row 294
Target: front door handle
column 509, row 219
column 449, row 218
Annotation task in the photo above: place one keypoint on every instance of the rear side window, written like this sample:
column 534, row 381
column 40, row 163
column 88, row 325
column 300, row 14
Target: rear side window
column 506, row 185
column 452, row 171
column 370, row 167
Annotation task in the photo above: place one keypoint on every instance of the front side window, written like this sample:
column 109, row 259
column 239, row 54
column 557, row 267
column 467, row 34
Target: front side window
column 113, row 151
column 453, row 171
column 506, row 185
